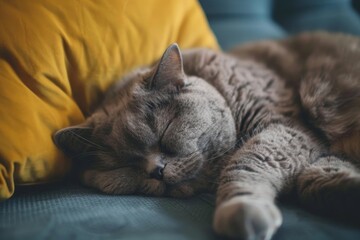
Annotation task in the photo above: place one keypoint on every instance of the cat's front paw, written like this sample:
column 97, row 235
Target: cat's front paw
column 182, row 191
column 247, row 219
column 152, row 187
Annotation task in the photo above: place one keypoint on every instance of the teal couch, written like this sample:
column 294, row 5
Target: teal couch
column 238, row 21
column 70, row 211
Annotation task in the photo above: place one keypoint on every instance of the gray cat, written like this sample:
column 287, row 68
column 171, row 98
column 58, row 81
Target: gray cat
column 268, row 118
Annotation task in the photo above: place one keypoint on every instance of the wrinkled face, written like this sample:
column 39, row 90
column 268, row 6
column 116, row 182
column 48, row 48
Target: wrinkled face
column 156, row 132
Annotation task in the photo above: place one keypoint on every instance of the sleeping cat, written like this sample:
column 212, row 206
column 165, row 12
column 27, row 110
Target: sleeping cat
column 268, row 118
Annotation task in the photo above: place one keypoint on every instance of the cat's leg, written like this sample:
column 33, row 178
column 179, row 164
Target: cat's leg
column 192, row 187
column 251, row 180
column 331, row 185
column 114, row 181
column 123, row 181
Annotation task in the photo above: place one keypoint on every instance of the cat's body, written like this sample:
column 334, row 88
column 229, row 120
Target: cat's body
column 266, row 120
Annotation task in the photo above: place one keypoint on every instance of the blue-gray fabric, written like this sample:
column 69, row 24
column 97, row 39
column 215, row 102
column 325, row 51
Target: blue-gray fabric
column 238, row 21
column 74, row 212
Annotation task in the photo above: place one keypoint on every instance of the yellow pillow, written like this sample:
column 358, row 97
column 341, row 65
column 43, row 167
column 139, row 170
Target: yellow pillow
column 56, row 59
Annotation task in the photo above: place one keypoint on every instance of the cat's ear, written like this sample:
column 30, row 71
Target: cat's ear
column 169, row 72
column 74, row 140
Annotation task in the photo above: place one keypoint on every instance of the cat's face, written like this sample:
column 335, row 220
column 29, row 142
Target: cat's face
column 157, row 130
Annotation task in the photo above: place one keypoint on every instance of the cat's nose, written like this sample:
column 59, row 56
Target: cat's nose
column 157, row 173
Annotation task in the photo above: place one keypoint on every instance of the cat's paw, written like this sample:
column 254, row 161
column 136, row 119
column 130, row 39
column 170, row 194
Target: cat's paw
column 152, row 187
column 182, row 191
column 247, row 219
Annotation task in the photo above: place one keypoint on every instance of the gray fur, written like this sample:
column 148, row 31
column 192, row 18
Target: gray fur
column 267, row 119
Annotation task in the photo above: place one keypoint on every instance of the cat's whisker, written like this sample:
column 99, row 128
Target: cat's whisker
column 86, row 141
column 256, row 122
column 92, row 153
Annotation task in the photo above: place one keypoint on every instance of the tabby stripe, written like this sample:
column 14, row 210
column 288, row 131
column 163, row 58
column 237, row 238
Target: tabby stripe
column 309, row 182
column 189, row 164
column 256, row 124
column 229, row 179
column 211, row 59
column 232, row 78
column 230, row 194
column 238, row 118
column 269, row 84
column 145, row 189
column 239, row 88
column 268, row 149
column 238, row 194
column 228, row 187
column 258, row 156
column 239, row 168
column 105, row 110
column 243, row 120
column 255, row 113
column 231, row 191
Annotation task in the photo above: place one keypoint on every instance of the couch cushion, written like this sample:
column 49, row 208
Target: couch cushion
column 307, row 15
column 57, row 58
column 73, row 212
column 237, row 22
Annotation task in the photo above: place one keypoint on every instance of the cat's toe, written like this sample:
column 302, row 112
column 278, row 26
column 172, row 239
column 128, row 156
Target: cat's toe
column 247, row 219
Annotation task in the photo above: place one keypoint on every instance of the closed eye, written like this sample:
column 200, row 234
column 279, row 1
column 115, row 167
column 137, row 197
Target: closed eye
column 164, row 148
column 166, row 128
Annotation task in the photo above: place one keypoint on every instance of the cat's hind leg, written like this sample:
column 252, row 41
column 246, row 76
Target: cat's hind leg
column 331, row 186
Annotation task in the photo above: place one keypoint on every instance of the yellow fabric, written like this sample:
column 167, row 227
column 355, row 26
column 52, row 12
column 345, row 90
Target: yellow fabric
column 56, row 59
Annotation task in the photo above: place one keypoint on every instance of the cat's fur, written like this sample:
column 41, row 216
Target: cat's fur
column 269, row 118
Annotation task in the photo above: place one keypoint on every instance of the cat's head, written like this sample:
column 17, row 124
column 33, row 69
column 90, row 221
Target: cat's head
column 157, row 129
